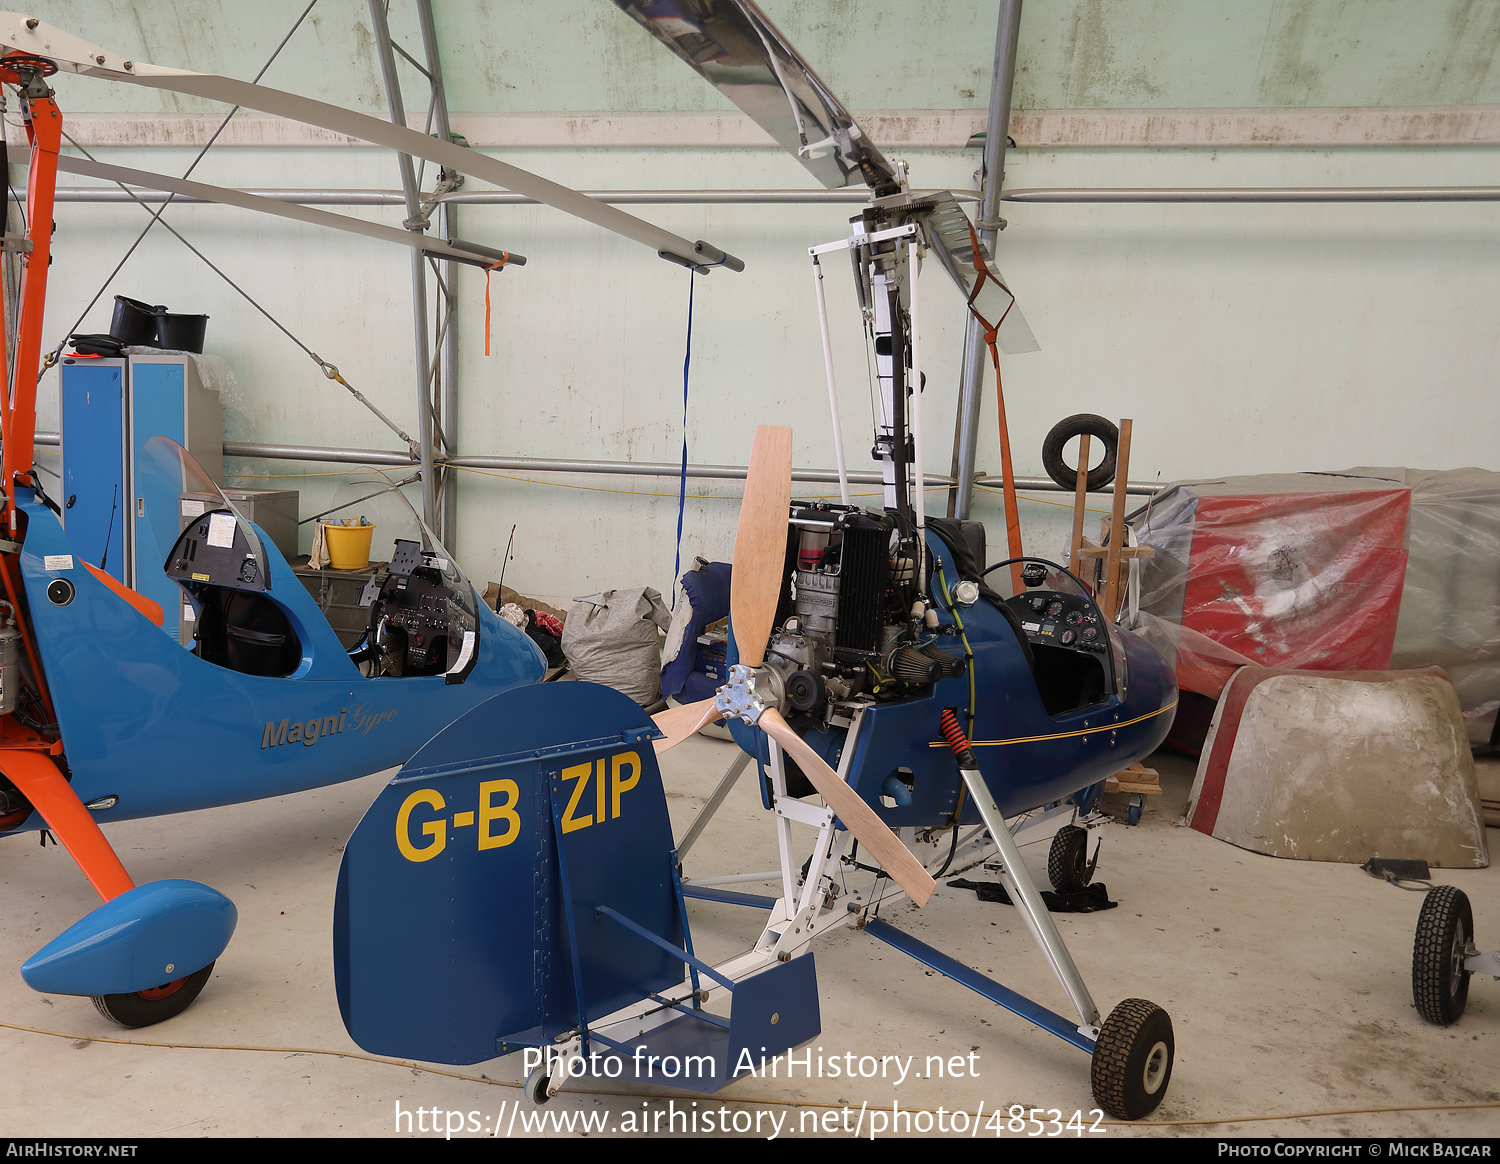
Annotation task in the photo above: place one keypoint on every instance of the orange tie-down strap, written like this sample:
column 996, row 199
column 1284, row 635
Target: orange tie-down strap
column 1007, row 474
column 146, row 606
column 41, row 782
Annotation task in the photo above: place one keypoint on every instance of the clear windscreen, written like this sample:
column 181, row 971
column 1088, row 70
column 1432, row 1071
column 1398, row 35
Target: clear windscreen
column 368, row 497
column 423, row 611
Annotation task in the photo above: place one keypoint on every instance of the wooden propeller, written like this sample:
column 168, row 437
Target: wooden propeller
column 760, row 544
column 754, row 594
column 858, row 817
column 755, row 585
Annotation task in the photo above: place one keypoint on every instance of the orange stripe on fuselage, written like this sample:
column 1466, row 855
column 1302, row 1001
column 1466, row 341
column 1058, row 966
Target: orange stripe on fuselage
column 146, row 606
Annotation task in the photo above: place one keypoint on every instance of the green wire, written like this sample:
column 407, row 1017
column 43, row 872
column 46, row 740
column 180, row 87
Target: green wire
column 968, row 650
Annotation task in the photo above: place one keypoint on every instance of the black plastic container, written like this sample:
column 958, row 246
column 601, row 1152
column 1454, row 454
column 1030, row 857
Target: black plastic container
column 180, row 333
column 96, row 345
column 135, row 322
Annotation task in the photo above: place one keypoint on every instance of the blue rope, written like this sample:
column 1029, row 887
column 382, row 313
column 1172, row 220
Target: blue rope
column 687, row 359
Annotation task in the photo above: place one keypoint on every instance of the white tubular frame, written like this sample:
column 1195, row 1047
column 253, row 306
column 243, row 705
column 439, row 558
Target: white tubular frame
column 833, row 396
column 919, row 479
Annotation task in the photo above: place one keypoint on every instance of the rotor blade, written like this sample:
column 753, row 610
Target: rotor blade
column 680, row 722
column 1016, row 337
column 732, row 46
column 75, row 55
column 951, row 239
column 760, row 543
column 860, row 819
column 307, row 214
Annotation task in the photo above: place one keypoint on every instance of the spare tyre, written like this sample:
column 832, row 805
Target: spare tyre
column 1065, row 430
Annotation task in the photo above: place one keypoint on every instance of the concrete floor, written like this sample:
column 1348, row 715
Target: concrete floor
column 1288, row 984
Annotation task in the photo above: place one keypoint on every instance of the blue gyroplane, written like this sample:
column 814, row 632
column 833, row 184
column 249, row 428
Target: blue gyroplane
column 103, row 715
column 908, row 706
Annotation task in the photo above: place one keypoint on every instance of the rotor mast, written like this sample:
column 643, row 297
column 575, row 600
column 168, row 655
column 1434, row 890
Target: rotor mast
column 44, row 132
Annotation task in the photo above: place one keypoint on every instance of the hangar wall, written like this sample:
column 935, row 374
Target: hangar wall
column 1239, row 338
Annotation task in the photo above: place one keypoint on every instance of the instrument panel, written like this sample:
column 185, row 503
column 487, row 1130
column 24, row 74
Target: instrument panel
column 214, row 551
column 417, row 626
column 1059, row 620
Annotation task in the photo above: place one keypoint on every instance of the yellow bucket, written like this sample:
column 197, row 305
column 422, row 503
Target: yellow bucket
column 348, row 545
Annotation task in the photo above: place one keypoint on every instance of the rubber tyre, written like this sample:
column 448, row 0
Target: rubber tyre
column 1068, row 860
column 1133, row 1059
column 536, row 1086
column 153, row 1006
column 1065, row 430
column 1445, row 929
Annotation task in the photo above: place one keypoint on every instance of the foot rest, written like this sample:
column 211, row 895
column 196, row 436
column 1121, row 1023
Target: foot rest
column 770, row 1012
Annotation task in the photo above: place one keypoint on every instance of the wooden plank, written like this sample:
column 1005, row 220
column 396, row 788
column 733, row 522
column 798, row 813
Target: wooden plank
column 1136, row 778
column 1113, row 785
column 1117, row 525
column 1125, row 552
column 1078, row 499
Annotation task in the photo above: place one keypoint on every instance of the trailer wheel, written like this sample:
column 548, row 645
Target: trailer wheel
column 144, row 1007
column 1445, row 930
column 1068, row 865
column 1133, row 1059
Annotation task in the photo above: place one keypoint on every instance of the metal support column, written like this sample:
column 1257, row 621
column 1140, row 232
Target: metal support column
column 446, row 386
column 996, row 130
column 435, row 381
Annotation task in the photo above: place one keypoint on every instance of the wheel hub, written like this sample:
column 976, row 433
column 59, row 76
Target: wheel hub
column 1156, row 1067
column 1457, row 958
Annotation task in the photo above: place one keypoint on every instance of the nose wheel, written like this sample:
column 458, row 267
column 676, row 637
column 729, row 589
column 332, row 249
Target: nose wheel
column 1068, row 865
column 155, row 1004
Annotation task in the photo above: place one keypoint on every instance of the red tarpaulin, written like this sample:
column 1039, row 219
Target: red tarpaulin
column 1294, row 580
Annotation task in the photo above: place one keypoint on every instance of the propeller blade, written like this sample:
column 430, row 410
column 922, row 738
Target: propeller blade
column 860, row 819
column 680, row 722
column 74, row 55
column 733, row 47
column 952, row 240
column 760, row 543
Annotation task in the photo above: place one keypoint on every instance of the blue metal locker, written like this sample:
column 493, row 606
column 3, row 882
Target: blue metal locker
column 110, row 408
column 94, row 495
column 156, row 409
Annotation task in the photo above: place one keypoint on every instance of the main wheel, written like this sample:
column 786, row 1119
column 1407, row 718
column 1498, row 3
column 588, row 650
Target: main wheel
column 1133, row 1059
column 1068, row 865
column 154, row 1005
column 1445, row 930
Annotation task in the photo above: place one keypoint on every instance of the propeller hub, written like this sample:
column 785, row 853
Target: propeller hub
column 746, row 696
